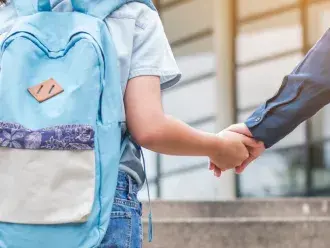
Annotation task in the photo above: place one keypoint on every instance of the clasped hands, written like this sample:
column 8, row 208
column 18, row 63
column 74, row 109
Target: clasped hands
column 236, row 150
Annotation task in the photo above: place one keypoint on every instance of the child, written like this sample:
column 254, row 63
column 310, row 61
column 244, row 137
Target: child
column 147, row 66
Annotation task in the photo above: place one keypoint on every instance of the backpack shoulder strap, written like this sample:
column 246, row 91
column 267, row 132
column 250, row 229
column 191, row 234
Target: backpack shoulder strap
column 27, row 7
column 102, row 8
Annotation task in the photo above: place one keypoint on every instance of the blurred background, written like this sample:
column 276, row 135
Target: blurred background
column 233, row 55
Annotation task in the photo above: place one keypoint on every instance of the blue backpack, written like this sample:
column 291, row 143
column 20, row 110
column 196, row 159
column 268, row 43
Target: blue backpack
column 60, row 126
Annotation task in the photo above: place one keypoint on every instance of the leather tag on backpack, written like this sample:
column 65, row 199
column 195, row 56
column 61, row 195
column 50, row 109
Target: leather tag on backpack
column 45, row 90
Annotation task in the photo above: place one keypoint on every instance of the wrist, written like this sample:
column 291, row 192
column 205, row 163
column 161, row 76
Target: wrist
column 214, row 144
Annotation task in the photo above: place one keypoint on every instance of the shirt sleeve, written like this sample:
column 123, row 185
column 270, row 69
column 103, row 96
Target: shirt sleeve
column 302, row 94
column 151, row 54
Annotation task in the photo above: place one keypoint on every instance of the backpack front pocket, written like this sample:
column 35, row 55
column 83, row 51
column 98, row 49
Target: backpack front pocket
column 47, row 176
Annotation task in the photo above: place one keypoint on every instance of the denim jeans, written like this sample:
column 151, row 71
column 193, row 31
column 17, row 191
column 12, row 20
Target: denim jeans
column 125, row 228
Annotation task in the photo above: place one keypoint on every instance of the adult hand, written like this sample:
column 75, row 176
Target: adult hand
column 254, row 152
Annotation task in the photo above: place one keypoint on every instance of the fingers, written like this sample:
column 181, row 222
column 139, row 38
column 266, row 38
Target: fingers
column 217, row 171
column 250, row 159
column 245, row 164
column 254, row 154
column 211, row 166
column 250, row 142
column 241, row 154
column 240, row 128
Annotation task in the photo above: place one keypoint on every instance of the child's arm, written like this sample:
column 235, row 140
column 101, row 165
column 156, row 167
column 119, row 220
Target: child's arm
column 154, row 130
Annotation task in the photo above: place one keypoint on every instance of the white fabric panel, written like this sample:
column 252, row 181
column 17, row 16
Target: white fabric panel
column 46, row 187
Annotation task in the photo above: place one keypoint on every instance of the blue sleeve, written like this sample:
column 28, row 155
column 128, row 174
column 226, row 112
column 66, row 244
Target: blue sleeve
column 302, row 94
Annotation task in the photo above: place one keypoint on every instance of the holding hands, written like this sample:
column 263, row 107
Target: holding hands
column 236, row 149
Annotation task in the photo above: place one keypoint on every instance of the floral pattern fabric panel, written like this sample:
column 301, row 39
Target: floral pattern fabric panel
column 66, row 137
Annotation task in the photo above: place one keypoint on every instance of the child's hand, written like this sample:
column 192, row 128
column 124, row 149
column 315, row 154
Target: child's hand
column 231, row 151
column 254, row 151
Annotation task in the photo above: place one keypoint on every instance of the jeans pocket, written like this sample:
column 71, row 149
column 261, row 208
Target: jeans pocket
column 119, row 232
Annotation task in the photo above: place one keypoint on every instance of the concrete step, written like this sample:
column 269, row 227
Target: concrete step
column 287, row 207
column 306, row 232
